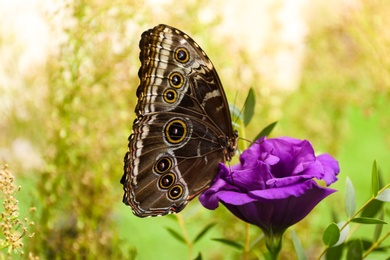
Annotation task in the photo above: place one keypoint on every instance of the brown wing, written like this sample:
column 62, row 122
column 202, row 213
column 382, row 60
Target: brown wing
column 183, row 126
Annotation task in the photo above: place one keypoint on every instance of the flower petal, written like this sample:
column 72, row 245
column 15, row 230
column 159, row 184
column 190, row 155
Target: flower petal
column 284, row 192
column 331, row 168
column 274, row 185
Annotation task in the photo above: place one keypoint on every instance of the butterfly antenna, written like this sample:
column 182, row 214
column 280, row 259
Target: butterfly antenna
column 241, row 111
column 237, row 116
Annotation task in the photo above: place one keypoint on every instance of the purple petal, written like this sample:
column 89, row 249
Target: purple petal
column 287, row 181
column 274, row 185
column 331, row 168
column 295, row 190
column 295, row 209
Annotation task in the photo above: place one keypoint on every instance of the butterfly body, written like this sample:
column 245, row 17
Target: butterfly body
column 183, row 126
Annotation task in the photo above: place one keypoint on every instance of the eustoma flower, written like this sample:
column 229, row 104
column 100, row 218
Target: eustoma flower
column 274, row 186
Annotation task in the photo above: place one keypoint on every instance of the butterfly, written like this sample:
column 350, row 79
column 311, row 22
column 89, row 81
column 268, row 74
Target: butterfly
column 183, row 127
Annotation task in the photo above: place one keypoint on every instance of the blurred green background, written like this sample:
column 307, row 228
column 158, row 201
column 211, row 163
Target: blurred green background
column 68, row 75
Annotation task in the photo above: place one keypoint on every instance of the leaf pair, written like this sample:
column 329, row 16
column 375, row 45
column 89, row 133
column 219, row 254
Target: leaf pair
column 181, row 238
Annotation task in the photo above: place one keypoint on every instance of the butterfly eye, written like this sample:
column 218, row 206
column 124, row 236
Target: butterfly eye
column 176, row 80
column 166, row 181
column 175, row 192
column 170, row 96
column 182, row 55
column 163, row 165
column 175, row 131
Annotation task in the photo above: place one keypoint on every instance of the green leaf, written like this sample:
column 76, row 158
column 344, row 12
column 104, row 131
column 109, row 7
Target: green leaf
column 355, row 250
column 331, row 235
column 374, row 180
column 363, row 220
column 366, row 243
column 203, row 232
column 335, row 252
column 379, row 227
column 384, row 195
column 266, row 131
column 372, row 208
column 298, row 246
column 343, row 233
column 235, row 113
column 230, row 243
column 199, row 257
column 176, row 235
column 249, row 108
column 350, row 198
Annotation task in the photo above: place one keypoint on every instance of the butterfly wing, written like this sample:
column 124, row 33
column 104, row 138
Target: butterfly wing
column 183, row 126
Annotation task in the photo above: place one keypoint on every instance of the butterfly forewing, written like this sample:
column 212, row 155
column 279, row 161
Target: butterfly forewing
column 183, row 126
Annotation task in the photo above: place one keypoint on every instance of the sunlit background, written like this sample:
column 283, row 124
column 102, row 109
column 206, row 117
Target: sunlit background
column 68, row 75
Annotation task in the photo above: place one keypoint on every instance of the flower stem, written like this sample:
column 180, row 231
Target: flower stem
column 274, row 244
column 182, row 225
column 246, row 245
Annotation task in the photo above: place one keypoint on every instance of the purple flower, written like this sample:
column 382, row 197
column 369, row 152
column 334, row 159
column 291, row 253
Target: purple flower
column 274, row 186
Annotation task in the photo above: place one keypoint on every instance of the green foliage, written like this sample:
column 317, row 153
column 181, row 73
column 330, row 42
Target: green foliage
column 355, row 250
column 384, row 196
column 378, row 228
column 249, row 106
column 350, row 199
column 203, row 232
column 183, row 237
column 298, row 246
column 363, row 220
column 82, row 104
column 176, row 235
column 372, row 208
column 230, row 243
column 374, row 180
column 331, row 235
column 236, row 115
column 372, row 213
column 266, row 131
column 199, row 257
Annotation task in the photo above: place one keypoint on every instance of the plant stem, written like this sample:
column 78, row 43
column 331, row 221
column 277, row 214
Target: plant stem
column 274, row 244
column 362, row 207
column 354, row 215
column 376, row 244
column 182, row 225
column 246, row 245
